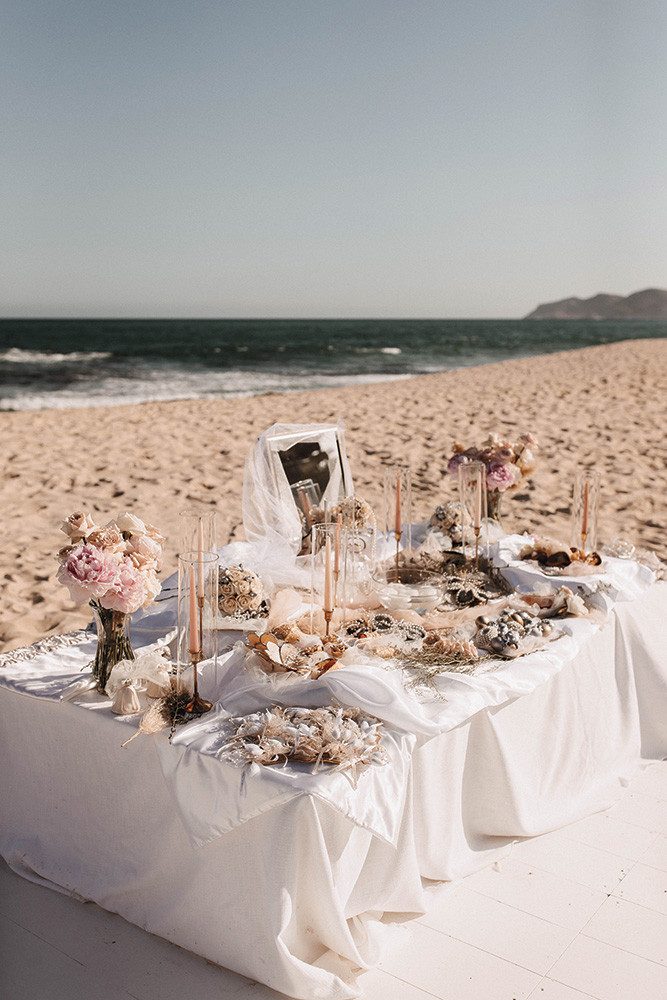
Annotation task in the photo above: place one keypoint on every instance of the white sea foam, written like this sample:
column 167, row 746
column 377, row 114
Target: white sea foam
column 15, row 355
column 390, row 350
column 163, row 385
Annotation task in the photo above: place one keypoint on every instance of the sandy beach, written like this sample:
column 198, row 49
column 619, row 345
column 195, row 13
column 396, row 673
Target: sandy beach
column 600, row 407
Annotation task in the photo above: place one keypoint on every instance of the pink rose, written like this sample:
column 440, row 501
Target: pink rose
column 88, row 572
column 129, row 590
column 501, row 476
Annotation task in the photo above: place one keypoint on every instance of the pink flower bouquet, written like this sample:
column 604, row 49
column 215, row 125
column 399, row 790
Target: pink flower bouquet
column 507, row 462
column 115, row 565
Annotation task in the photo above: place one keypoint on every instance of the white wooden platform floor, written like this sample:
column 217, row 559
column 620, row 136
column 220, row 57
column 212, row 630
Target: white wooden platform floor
column 575, row 914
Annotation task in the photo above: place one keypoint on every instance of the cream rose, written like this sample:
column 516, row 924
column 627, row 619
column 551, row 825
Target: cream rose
column 108, row 538
column 78, row 525
column 131, row 524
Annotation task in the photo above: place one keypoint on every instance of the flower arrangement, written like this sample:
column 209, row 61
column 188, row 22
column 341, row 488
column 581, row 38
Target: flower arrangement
column 115, row 566
column 240, row 593
column 507, row 462
column 115, row 569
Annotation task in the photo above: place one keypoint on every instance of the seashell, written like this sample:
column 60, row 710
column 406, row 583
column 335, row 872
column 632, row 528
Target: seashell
column 483, row 620
column 159, row 684
column 288, row 631
column 126, row 701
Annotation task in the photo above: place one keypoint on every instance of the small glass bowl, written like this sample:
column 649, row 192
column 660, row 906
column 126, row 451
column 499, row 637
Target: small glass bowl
column 415, row 589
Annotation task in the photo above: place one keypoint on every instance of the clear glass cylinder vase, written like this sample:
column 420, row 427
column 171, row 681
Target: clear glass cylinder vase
column 113, row 641
column 585, row 504
column 198, row 617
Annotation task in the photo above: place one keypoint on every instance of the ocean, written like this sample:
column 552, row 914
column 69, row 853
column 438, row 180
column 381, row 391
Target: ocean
column 61, row 364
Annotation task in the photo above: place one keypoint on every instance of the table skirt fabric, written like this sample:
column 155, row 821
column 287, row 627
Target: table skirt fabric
column 299, row 897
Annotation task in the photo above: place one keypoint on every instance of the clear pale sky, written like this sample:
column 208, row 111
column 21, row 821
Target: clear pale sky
column 285, row 158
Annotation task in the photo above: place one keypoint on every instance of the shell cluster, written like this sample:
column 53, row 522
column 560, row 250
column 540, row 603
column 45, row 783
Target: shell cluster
column 299, row 654
column 345, row 737
column 511, row 633
column 465, row 590
column 372, row 624
column 448, row 518
column 240, row 592
column 549, row 552
column 450, row 645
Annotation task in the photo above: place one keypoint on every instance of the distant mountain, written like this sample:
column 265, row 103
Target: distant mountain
column 649, row 304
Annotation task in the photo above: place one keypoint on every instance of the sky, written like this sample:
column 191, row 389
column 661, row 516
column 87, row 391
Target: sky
column 329, row 158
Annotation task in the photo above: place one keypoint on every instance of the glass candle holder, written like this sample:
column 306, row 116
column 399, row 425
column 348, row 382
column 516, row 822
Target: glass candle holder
column 472, row 494
column 328, row 565
column 360, row 562
column 398, row 505
column 197, row 527
column 585, row 504
column 198, row 623
column 411, row 589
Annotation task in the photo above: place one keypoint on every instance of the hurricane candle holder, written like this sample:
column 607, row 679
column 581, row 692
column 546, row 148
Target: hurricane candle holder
column 398, row 507
column 585, row 503
column 197, row 621
column 197, row 531
column 328, row 562
column 472, row 493
column 360, row 563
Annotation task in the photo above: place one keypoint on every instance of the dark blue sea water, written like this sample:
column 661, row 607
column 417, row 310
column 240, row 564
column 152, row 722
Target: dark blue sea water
column 71, row 363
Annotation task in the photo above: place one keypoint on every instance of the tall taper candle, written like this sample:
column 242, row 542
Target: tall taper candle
column 584, row 520
column 478, row 502
column 328, row 602
column 339, row 521
column 194, row 631
column 200, row 561
column 398, row 526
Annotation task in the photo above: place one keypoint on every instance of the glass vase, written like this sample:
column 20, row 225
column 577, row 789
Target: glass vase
column 472, row 497
column 494, row 503
column 113, row 641
column 197, row 642
column 197, row 531
column 585, row 504
column 398, row 507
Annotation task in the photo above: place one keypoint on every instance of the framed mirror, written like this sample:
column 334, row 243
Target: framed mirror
column 310, row 460
column 292, row 473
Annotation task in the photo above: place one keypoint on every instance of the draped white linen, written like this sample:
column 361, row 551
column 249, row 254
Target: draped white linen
column 295, row 879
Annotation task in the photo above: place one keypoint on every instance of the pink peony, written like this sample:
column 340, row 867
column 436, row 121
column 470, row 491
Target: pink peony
column 128, row 592
column 501, row 476
column 88, row 572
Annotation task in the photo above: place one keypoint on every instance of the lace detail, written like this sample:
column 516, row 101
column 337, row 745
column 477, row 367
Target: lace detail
column 48, row 645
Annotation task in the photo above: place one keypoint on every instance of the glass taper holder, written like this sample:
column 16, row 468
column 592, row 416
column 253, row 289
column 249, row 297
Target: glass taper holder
column 197, row 526
column 398, row 508
column 328, row 562
column 472, row 494
column 360, row 562
column 197, row 621
column 585, row 505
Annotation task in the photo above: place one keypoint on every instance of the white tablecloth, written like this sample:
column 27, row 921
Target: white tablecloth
column 295, row 879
